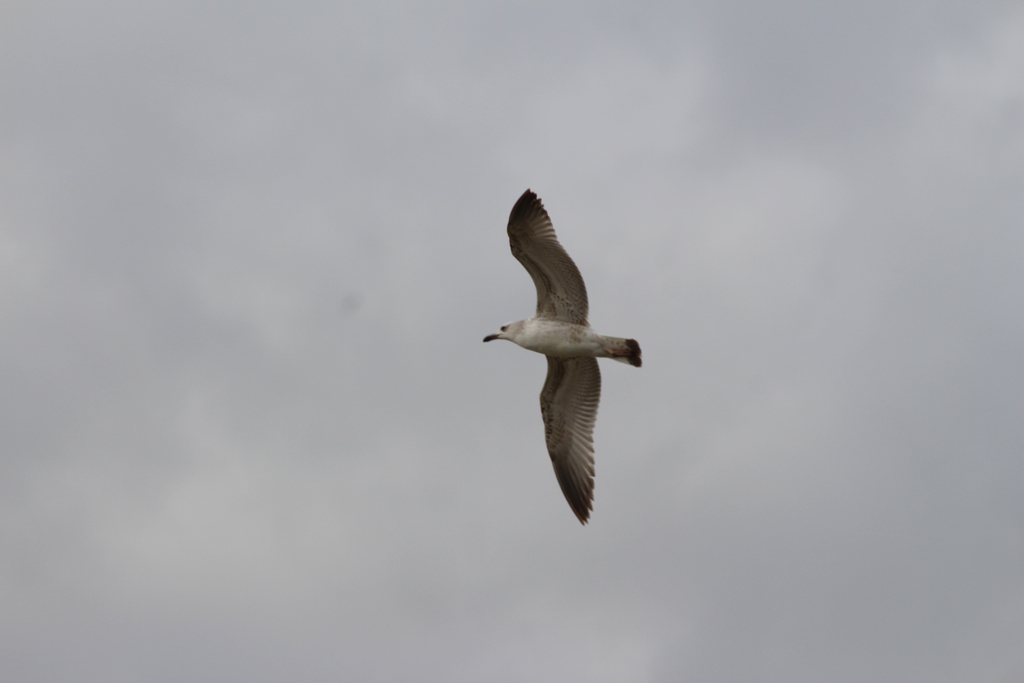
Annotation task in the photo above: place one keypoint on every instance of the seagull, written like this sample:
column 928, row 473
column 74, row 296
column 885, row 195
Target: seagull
column 559, row 329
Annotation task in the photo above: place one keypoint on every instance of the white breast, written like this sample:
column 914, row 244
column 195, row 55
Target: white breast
column 559, row 339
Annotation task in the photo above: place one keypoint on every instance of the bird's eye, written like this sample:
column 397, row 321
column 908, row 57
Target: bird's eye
column 504, row 327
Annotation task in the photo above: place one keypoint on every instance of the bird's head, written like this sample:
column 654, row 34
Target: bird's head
column 504, row 332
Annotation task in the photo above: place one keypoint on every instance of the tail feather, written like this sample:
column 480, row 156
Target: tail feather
column 623, row 350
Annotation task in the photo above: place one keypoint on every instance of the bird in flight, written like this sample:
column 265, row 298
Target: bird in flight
column 559, row 329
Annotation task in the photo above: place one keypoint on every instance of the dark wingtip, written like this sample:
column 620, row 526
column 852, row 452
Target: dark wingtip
column 582, row 512
column 525, row 206
column 579, row 493
column 634, row 355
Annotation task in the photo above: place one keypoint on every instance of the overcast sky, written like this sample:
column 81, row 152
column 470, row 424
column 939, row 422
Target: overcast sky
column 248, row 429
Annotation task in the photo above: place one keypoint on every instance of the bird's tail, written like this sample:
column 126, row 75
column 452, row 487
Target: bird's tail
column 622, row 350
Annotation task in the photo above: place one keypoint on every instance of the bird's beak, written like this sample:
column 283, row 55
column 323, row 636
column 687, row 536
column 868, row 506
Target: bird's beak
column 490, row 337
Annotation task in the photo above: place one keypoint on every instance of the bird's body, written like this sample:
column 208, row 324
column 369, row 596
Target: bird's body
column 559, row 330
column 565, row 340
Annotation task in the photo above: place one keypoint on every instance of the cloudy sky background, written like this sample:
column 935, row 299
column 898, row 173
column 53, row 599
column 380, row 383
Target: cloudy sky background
column 248, row 429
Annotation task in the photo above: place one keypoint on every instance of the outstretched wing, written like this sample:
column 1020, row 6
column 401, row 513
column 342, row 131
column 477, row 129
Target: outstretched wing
column 568, row 403
column 561, row 294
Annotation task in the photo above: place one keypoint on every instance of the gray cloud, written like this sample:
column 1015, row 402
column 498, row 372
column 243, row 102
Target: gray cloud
column 249, row 431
